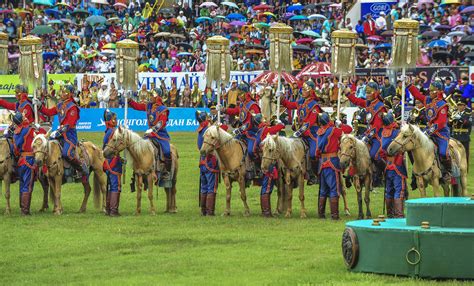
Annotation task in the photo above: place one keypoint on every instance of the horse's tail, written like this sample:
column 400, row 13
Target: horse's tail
column 97, row 191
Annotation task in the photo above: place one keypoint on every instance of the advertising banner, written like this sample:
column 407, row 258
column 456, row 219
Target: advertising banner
column 8, row 82
column 375, row 8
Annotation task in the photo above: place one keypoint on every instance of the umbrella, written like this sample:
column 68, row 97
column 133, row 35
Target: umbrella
column 108, row 12
column 437, row 44
column 121, row 5
column 304, row 41
column 184, row 54
column 208, row 4
column 295, row 7
column 178, row 36
column 383, row 46
column 236, row 16
column 94, row 20
column 450, row 2
column 469, row 55
column 299, row 18
column 186, row 46
column 103, row 2
column 163, row 34
column 114, row 20
column 6, row 11
column 49, row 55
column 441, row 55
column 237, row 23
column 67, row 21
column 301, row 48
column 316, row 17
column 220, row 17
column 269, row 14
column 255, row 46
column 315, row 70
column 311, row 34
column 73, row 37
column 468, row 10
column 321, row 42
column 443, row 27
column 468, row 40
column 262, row 6
column 424, row 27
column 52, row 12
column 269, row 77
column 421, row 2
column 43, row 2
column 387, row 34
column 108, row 52
column 288, row 15
column 261, row 25
column 230, row 4
column 13, row 56
column 64, row 5
column 80, row 12
column 457, row 34
column 204, row 19
column 375, row 38
column 109, row 46
column 42, row 30
column 23, row 13
column 430, row 34
column 336, row 5
column 309, row 6
column 254, row 51
column 52, row 22
column 323, row 4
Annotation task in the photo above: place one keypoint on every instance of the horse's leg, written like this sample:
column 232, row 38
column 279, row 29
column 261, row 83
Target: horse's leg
column 87, row 192
column 6, row 182
column 243, row 196
column 150, row 194
column 44, row 184
column 57, row 195
column 277, row 209
column 289, row 190
column 435, row 184
column 367, row 181
column 139, row 181
column 464, row 183
column 228, row 188
column 358, row 189
column 301, row 187
column 173, row 198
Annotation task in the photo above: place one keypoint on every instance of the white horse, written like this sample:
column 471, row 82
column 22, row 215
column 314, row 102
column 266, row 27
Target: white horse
column 425, row 166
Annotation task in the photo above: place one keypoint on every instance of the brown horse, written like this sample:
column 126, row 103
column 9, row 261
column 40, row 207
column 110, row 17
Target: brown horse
column 143, row 155
column 291, row 154
column 7, row 174
column 231, row 157
column 49, row 152
column 425, row 166
column 353, row 152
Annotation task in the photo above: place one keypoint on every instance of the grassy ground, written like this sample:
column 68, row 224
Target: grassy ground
column 180, row 249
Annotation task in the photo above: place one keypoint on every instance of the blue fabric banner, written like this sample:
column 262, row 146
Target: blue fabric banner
column 180, row 119
column 375, row 8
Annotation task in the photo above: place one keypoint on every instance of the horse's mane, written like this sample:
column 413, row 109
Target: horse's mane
column 138, row 145
column 361, row 148
column 44, row 140
column 216, row 131
column 287, row 145
column 423, row 139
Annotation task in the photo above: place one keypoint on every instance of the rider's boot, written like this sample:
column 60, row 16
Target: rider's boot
column 389, row 206
column 114, row 203
column 266, row 205
column 25, row 201
column 334, row 205
column 81, row 166
column 167, row 172
column 322, row 207
column 210, row 204
column 107, row 204
column 202, row 203
column 446, row 169
column 398, row 208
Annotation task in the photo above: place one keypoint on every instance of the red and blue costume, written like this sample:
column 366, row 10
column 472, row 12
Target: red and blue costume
column 395, row 171
column 330, row 185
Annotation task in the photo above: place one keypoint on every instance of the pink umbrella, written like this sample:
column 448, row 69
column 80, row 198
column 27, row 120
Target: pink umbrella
column 421, row 2
column 304, row 41
column 6, row 11
column 315, row 70
column 237, row 23
column 13, row 56
column 270, row 77
column 121, row 5
column 336, row 5
column 208, row 4
column 375, row 38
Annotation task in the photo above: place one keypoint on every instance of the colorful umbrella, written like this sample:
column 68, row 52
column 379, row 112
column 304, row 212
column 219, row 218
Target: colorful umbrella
column 387, row 34
column 162, row 34
column 261, row 25
column 6, row 11
column 114, row 20
column 262, row 6
column 43, row 2
column 437, row 44
column 468, row 10
column 315, row 70
column 311, row 34
column 108, row 52
column 468, row 40
column 102, row 2
column 64, row 5
column 301, row 48
column 269, row 77
column 66, row 21
column 304, row 41
column 316, row 17
column 269, row 14
column 230, row 4
column 178, row 36
column 375, row 38
column 109, row 46
column 430, row 34
column 443, row 27
column 52, row 22
column 52, row 12
column 384, row 46
column 208, row 4
column 299, row 18
column 73, row 37
column 450, row 2
column 204, row 19
column 41, row 30
column 80, row 12
column 457, row 34
column 186, row 46
column 295, row 7
column 120, row 5
column 94, row 20
column 236, row 16
column 237, row 23
column 184, row 54
column 254, row 51
column 421, row 2
column 321, row 42
column 288, row 15
column 49, row 55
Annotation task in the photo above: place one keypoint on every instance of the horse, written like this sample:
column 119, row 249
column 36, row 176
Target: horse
column 290, row 152
column 353, row 152
column 48, row 152
column 7, row 174
column 143, row 155
column 231, row 155
column 426, row 167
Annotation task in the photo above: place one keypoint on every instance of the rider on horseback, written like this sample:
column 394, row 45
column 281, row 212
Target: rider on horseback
column 157, row 116
column 23, row 105
column 329, row 136
column 308, row 110
column 247, row 130
column 375, row 108
column 112, row 167
column 395, row 171
column 68, row 114
column 437, row 130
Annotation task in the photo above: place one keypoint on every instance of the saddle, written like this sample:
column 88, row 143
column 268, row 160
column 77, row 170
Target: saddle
column 252, row 168
column 455, row 160
column 70, row 173
column 160, row 163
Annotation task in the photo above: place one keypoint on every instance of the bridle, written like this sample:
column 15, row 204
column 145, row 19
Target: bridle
column 352, row 155
column 402, row 145
column 216, row 145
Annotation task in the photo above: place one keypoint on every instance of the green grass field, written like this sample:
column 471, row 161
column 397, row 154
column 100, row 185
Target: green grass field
column 179, row 249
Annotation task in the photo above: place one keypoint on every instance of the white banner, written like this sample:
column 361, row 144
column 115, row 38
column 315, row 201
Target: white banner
column 180, row 79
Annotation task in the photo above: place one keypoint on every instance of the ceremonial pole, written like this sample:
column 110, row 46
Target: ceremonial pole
column 405, row 51
column 3, row 53
column 127, row 77
column 281, row 54
column 31, row 65
column 218, row 65
column 343, row 64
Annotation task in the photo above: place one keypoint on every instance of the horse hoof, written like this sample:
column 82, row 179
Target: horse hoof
column 137, row 213
column 43, row 209
column 7, row 212
column 347, row 212
column 172, row 211
column 246, row 214
column 288, row 215
column 226, row 213
column 368, row 216
column 81, row 211
column 57, row 212
column 153, row 213
column 360, row 217
column 303, row 215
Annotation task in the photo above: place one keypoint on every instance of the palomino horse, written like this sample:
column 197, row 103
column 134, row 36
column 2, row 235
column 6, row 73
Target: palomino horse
column 231, row 157
column 425, row 166
column 354, row 153
column 49, row 152
column 7, row 173
column 290, row 152
column 143, row 156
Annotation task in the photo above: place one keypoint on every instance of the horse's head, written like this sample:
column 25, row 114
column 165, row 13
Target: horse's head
column 212, row 140
column 405, row 140
column 117, row 143
column 40, row 148
column 270, row 151
column 347, row 150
